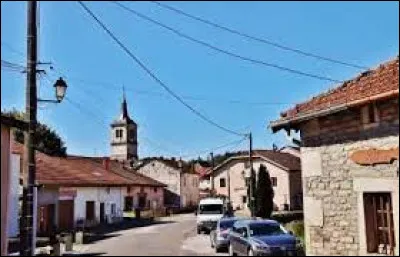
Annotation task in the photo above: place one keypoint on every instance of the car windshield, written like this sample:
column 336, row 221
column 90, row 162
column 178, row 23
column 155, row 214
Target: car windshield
column 225, row 224
column 266, row 229
column 211, row 209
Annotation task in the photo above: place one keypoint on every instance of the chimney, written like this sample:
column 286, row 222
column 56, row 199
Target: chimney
column 106, row 163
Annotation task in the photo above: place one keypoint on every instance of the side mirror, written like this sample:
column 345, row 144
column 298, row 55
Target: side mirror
column 244, row 234
column 291, row 232
column 195, row 212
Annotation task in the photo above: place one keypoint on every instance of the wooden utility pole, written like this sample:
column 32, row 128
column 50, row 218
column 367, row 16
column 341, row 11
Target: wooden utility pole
column 26, row 223
column 212, row 173
column 252, row 203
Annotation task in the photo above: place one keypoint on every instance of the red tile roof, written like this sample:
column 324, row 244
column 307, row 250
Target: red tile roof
column 119, row 169
column 286, row 161
column 371, row 83
column 77, row 172
column 201, row 170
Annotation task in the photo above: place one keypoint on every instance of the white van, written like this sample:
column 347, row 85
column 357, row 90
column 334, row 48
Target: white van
column 209, row 212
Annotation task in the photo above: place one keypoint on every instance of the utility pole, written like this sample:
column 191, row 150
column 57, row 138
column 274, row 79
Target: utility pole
column 26, row 226
column 212, row 173
column 229, row 184
column 251, row 175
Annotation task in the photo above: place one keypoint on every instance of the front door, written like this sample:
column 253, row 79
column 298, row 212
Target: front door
column 102, row 213
column 128, row 203
column 66, row 214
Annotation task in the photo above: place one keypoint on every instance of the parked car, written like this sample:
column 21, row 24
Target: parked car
column 210, row 211
column 219, row 237
column 263, row 238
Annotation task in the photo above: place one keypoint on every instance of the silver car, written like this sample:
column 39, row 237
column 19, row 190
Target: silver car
column 219, row 237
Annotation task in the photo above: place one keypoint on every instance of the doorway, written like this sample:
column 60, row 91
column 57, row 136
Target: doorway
column 102, row 213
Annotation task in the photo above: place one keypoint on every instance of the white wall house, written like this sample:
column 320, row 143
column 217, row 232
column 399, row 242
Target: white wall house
column 110, row 197
column 284, row 169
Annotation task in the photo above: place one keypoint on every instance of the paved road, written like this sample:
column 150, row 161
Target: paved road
column 176, row 236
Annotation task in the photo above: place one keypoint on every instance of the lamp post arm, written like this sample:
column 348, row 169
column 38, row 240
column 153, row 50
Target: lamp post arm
column 48, row 101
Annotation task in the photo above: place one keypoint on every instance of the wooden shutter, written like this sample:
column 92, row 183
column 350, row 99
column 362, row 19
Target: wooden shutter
column 370, row 223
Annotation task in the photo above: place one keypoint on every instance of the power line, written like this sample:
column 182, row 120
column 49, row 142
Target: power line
column 258, row 39
column 10, row 66
column 234, row 143
column 12, row 49
column 151, row 74
column 232, row 54
column 113, row 86
column 156, row 146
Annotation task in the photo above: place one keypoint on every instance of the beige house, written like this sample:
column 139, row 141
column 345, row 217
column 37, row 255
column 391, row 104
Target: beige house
column 182, row 186
column 350, row 167
column 284, row 169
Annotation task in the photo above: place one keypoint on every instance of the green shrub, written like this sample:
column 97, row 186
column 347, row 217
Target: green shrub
column 287, row 217
column 297, row 227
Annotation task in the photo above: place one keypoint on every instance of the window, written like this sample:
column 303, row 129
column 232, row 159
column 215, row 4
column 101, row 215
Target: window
column 113, row 209
column 90, row 210
column 119, row 133
column 274, row 181
column 128, row 189
column 128, row 206
column 369, row 114
column 108, row 190
column 244, row 199
column 211, row 209
column 379, row 223
column 265, row 229
column 222, row 182
column 155, row 189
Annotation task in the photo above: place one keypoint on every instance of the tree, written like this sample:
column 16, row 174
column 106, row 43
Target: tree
column 251, row 182
column 264, row 194
column 46, row 139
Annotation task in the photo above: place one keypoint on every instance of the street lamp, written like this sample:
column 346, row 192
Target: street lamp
column 60, row 87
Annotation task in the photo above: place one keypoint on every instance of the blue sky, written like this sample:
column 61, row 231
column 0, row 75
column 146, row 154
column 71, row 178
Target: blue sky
column 365, row 33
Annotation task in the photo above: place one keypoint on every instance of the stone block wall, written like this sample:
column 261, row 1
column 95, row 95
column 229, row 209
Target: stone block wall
column 331, row 205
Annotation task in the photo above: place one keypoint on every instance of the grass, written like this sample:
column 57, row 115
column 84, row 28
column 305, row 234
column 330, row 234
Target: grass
column 130, row 214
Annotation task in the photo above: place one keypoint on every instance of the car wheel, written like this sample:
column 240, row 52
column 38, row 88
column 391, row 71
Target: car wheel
column 231, row 252
column 250, row 252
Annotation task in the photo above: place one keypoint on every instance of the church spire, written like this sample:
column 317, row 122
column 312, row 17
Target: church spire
column 124, row 107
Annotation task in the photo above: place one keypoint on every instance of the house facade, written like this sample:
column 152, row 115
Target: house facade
column 79, row 191
column 284, row 169
column 204, row 179
column 182, row 187
column 9, row 183
column 350, row 166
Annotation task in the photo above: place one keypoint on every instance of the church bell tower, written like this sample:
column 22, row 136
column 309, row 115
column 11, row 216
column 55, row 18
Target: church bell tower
column 124, row 136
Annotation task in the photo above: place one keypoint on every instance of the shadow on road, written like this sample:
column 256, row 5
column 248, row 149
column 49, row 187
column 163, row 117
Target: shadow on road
column 108, row 231
column 84, row 254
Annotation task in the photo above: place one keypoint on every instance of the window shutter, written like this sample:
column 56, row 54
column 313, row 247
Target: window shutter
column 370, row 223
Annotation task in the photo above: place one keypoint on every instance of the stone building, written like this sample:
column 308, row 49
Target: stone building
column 182, row 185
column 350, row 167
